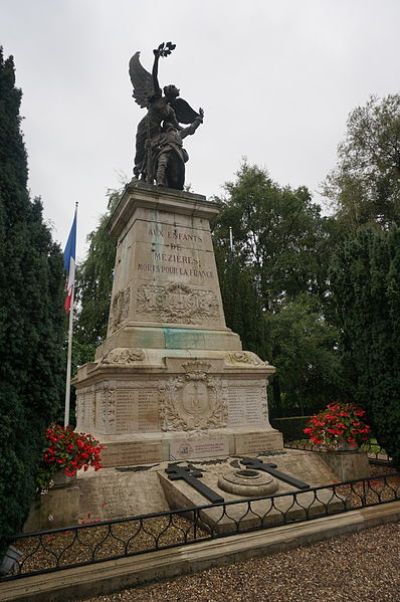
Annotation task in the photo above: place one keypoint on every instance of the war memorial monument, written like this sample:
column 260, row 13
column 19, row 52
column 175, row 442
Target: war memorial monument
column 170, row 381
column 180, row 406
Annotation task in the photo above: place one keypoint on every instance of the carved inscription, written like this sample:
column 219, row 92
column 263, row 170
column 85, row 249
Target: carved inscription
column 245, row 406
column 87, row 401
column 177, row 253
column 257, row 442
column 79, row 409
column 201, row 448
column 174, row 235
column 126, row 410
column 148, row 410
column 108, row 411
column 174, row 271
column 131, row 453
column 176, row 302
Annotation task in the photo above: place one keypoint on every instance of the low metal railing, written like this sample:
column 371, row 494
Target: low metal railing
column 376, row 453
column 84, row 544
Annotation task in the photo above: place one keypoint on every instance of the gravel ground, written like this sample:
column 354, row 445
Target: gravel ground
column 363, row 567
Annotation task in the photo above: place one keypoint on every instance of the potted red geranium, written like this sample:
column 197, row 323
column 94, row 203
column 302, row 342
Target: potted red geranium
column 341, row 426
column 65, row 452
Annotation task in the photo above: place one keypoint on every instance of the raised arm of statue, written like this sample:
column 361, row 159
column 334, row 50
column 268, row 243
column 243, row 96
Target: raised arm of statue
column 188, row 131
column 156, row 85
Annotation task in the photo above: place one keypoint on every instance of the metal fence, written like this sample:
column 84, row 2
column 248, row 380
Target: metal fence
column 376, row 453
column 79, row 545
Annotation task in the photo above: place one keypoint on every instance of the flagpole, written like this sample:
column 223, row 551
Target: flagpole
column 69, row 353
column 69, row 361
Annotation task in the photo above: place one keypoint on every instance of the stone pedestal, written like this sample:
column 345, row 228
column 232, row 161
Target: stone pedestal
column 57, row 508
column 348, row 464
column 171, row 380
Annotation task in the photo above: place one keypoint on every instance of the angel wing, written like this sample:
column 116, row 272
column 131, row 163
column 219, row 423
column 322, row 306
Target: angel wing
column 183, row 111
column 142, row 81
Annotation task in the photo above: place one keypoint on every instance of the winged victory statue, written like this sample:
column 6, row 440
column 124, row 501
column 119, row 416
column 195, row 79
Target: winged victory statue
column 160, row 157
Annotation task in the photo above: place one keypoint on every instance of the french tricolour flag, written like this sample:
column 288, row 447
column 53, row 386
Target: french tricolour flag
column 69, row 264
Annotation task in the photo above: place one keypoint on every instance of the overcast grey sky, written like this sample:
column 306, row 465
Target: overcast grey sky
column 276, row 78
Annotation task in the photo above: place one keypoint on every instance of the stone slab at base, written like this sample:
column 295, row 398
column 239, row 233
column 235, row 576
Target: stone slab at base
column 148, row 448
column 262, row 513
column 130, row 491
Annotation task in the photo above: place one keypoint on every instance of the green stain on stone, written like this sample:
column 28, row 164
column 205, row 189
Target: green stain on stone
column 179, row 338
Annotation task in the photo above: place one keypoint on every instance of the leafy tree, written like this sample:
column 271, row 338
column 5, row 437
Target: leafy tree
column 94, row 285
column 275, row 286
column 31, row 319
column 366, row 287
column 304, row 350
column 242, row 305
column 365, row 186
column 277, row 231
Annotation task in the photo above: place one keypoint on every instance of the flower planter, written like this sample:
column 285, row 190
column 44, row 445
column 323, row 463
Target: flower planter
column 60, row 480
column 340, row 429
column 347, row 464
column 59, row 507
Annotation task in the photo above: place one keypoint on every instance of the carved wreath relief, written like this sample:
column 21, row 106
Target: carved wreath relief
column 194, row 400
column 123, row 355
column 176, row 302
column 244, row 357
column 119, row 309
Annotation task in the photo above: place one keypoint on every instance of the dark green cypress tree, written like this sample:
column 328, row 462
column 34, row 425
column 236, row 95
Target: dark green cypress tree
column 31, row 319
column 366, row 288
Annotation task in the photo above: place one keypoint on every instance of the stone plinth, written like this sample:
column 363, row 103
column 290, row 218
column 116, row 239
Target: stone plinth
column 171, row 380
column 348, row 464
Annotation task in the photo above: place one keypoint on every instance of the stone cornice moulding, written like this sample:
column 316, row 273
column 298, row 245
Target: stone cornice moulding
column 138, row 195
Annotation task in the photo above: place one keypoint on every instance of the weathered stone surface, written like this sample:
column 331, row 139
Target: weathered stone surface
column 256, row 441
column 165, row 269
column 130, row 453
column 307, row 467
column 58, row 508
column 249, row 483
column 205, row 447
column 347, row 465
column 170, row 375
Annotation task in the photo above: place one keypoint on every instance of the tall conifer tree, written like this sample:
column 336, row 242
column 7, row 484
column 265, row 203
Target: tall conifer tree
column 31, row 319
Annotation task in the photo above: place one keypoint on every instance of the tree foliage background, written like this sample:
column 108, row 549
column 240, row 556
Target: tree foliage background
column 365, row 185
column 93, row 287
column 31, row 319
column 366, row 286
column 366, row 268
column 274, row 284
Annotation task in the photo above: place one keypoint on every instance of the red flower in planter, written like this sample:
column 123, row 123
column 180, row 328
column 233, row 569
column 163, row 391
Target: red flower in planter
column 68, row 451
column 338, row 424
